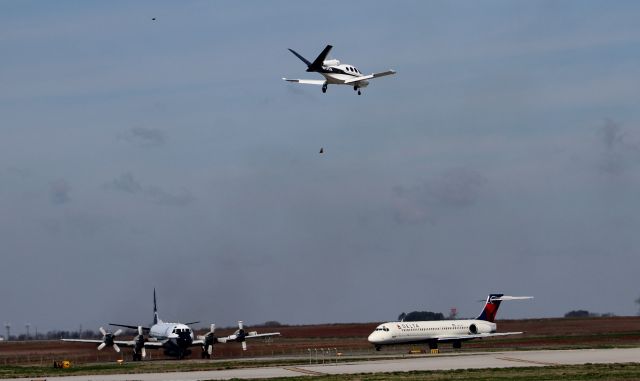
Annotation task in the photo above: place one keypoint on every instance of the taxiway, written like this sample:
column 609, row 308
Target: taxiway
column 481, row 360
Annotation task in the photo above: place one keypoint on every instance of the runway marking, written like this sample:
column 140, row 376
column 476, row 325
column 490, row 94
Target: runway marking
column 305, row 371
column 528, row 361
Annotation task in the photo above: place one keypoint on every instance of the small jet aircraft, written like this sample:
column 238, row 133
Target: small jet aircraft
column 335, row 73
column 175, row 339
column 442, row 331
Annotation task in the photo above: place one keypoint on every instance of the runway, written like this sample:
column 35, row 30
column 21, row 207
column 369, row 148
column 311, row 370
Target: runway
column 512, row 359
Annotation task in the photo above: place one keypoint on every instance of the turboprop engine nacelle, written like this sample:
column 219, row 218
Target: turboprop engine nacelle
column 330, row 63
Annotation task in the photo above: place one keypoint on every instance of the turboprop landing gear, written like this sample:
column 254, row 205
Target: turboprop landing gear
column 324, row 88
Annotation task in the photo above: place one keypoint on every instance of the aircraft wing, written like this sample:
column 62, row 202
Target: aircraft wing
column 129, row 326
column 477, row 336
column 153, row 344
column 370, row 76
column 120, row 343
column 250, row 336
column 307, row 81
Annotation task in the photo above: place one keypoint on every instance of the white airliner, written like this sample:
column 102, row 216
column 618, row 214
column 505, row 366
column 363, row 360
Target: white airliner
column 175, row 339
column 443, row 331
column 335, row 73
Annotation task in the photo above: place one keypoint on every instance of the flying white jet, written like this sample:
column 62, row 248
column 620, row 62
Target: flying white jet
column 443, row 331
column 335, row 73
column 175, row 339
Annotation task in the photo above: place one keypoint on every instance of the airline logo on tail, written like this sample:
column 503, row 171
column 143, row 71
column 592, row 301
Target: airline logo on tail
column 493, row 303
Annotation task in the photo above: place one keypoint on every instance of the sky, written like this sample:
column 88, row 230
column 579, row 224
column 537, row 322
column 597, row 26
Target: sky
column 504, row 156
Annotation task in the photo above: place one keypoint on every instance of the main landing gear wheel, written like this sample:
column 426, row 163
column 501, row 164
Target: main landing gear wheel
column 359, row 93
column 356, row 88
column 324, row 88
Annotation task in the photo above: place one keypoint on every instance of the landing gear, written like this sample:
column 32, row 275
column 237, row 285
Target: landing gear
column 433, row 344
column 205, row 355
column 324, row 88
column 457, row 344
column 356, row 88
column 137, row 356
column 378, row 348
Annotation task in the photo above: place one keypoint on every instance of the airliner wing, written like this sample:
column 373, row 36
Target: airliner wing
column 370, row 76
column 477, row 336
column 307, row 81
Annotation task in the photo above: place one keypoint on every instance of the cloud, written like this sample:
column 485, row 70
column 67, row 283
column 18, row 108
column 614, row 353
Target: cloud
column 162, row 197
column 127, row 183
column 59, row 192
column 620, row 151
column 144, row 136
column 453, row 189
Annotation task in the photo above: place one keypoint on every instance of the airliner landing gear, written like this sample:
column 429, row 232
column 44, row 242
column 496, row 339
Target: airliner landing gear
column 324, row 88
column 378, row 348
column 457, row 344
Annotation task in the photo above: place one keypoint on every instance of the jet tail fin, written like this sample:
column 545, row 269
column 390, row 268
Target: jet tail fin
column 317, row 63
column 493, row 303
column 306, row 61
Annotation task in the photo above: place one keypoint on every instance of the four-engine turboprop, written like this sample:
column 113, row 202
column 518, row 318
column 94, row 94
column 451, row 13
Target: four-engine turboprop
column 176, row 339
column 335, row 73
column 443, row 331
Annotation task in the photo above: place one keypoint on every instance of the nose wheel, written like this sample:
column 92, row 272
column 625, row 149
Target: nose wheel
column 324, row 88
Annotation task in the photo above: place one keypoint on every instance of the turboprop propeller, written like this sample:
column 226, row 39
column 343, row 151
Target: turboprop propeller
column 138, row 347
column 107, row 340
column 209, row 340
column 239, row 336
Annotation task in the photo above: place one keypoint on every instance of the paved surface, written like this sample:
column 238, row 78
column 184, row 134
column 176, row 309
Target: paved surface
column 433, row 362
